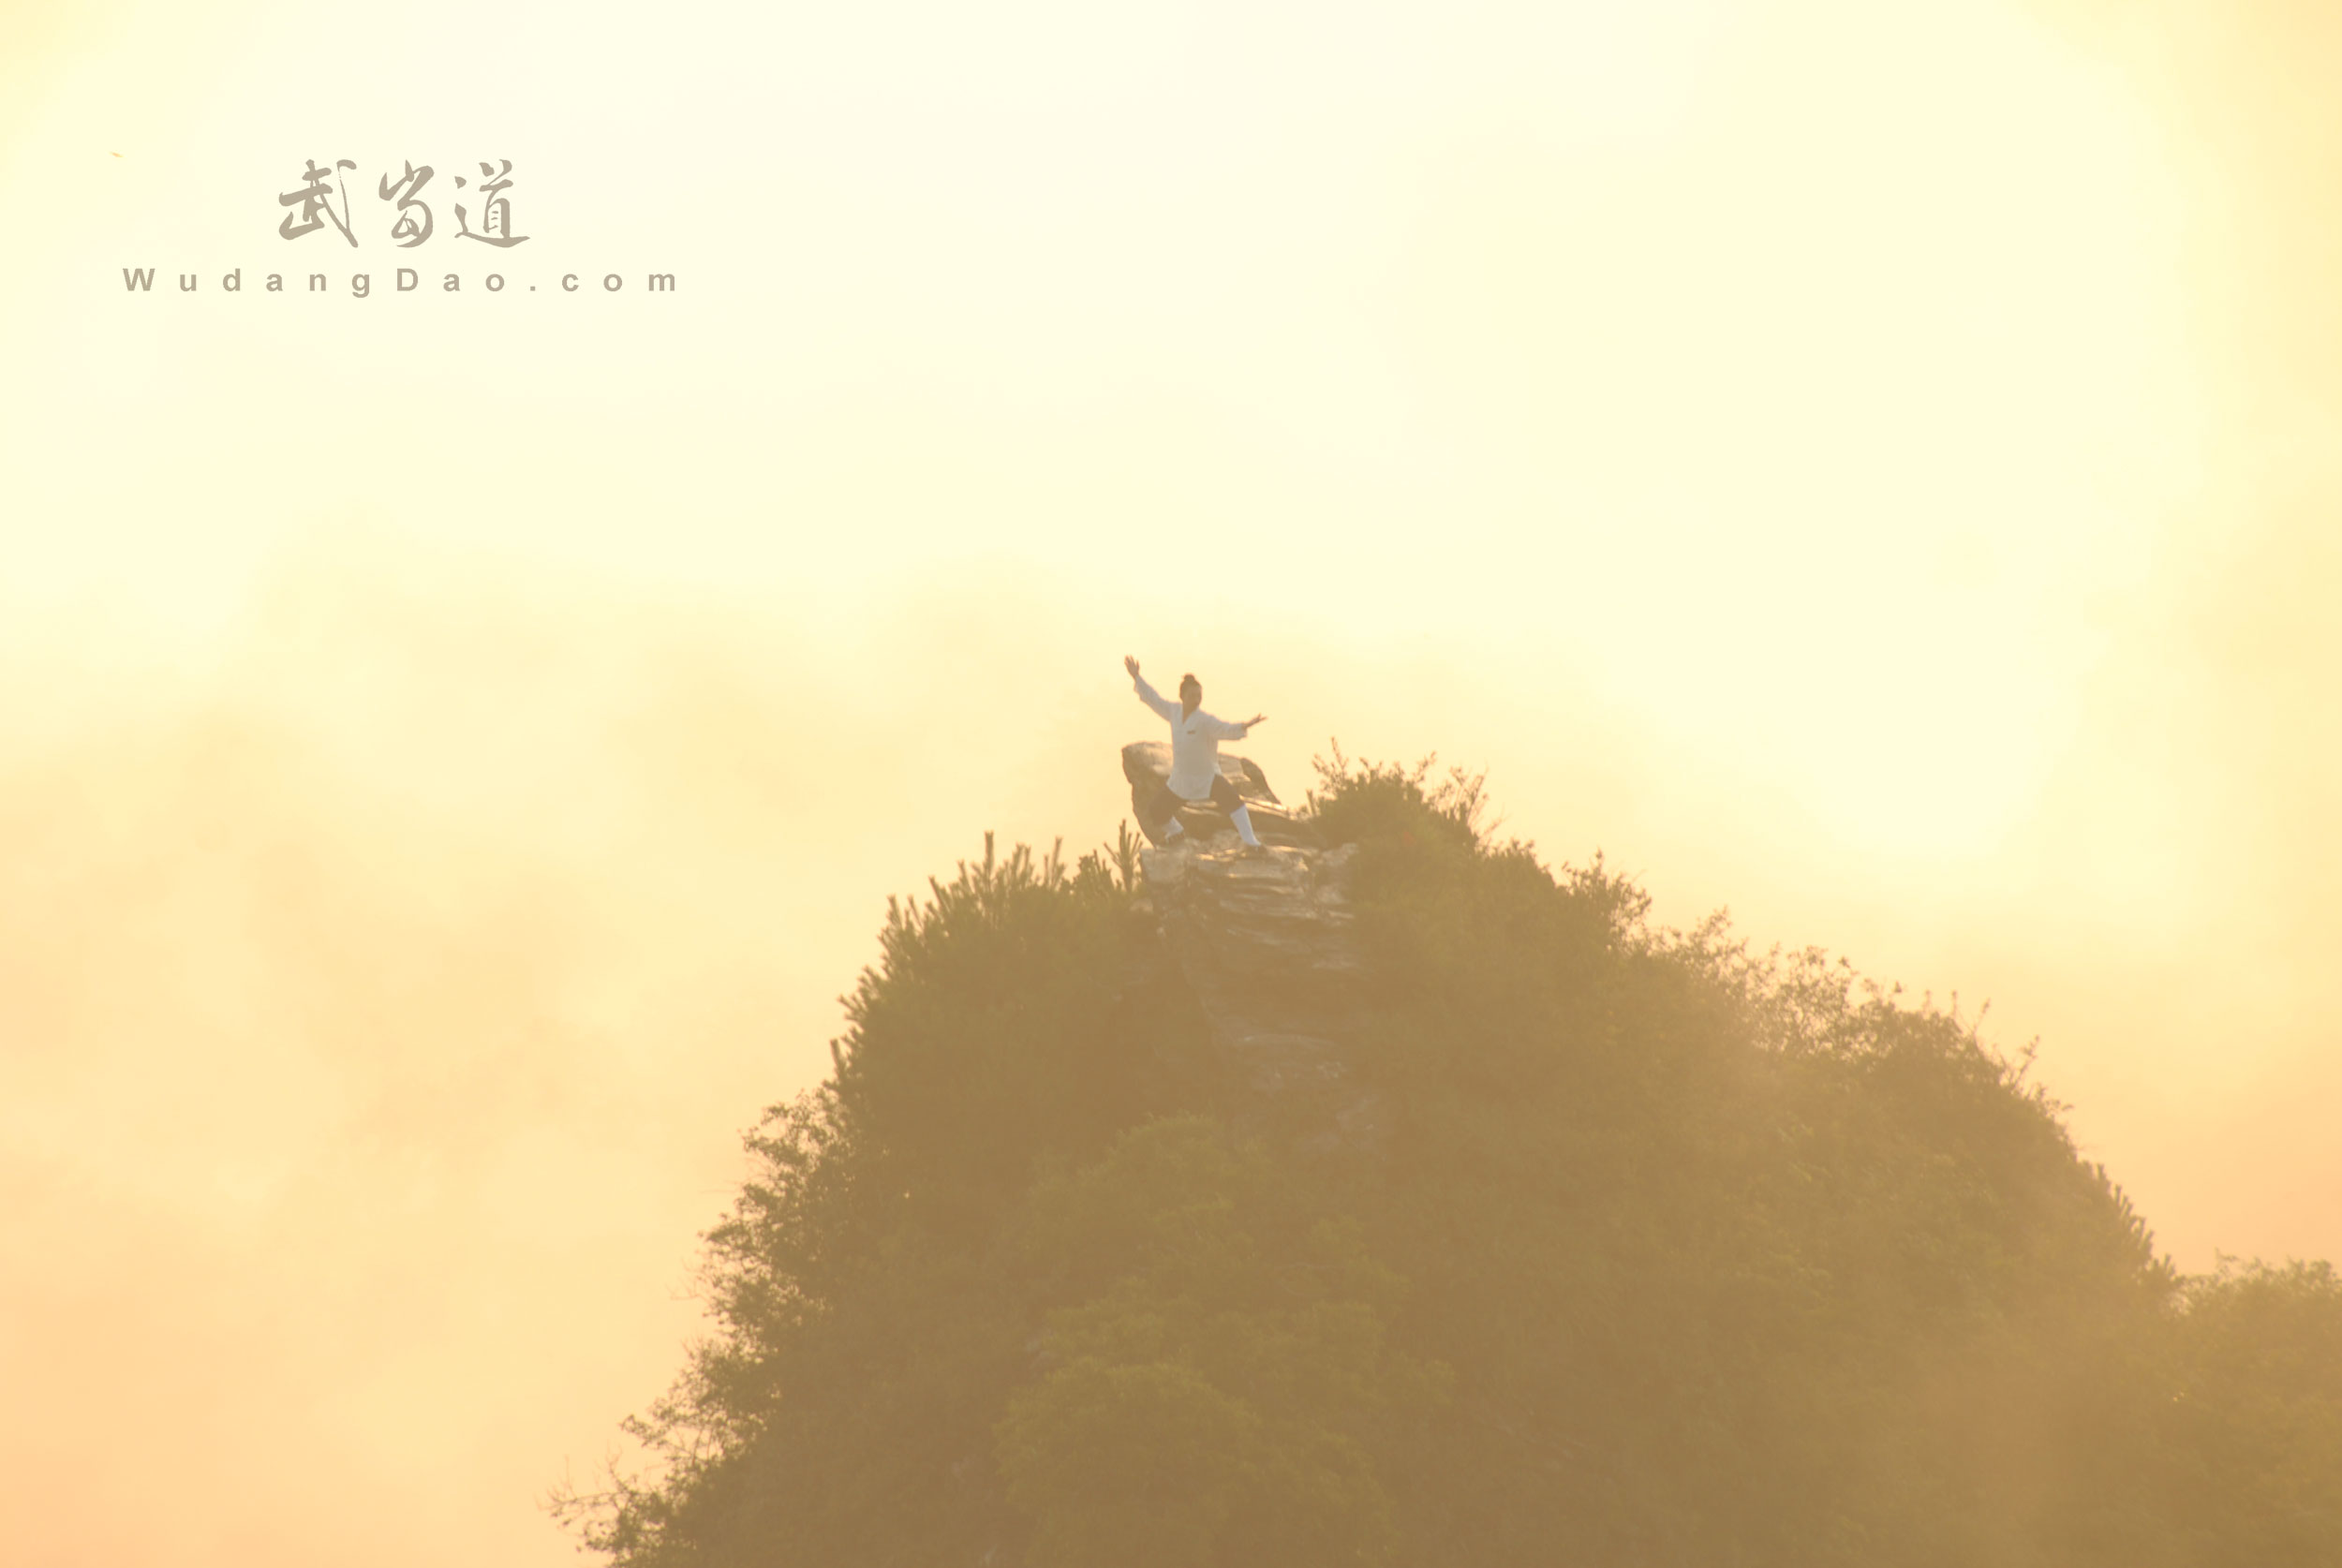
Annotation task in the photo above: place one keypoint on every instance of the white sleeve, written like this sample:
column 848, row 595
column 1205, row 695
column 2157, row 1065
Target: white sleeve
column 1223, row 730
column 1154, row 700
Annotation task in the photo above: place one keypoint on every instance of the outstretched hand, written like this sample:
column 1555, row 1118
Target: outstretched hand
column 1132, row 665
column 1256, row 718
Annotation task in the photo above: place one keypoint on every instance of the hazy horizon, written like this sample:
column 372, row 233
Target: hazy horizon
column 1863, row 470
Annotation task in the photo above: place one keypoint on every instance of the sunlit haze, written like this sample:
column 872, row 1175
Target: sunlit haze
column 1869, row 468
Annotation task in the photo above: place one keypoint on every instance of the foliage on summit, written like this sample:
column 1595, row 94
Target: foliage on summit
column 1672, row 1255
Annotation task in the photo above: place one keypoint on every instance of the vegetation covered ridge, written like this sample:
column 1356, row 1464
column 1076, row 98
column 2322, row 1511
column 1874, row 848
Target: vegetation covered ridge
column 1674, row 1254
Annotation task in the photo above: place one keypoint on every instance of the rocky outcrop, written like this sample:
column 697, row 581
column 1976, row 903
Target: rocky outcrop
column 1265, row 939
column 1147, row 763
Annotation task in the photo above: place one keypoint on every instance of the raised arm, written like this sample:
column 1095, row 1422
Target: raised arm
column 1228, row 729
column 1164, row 706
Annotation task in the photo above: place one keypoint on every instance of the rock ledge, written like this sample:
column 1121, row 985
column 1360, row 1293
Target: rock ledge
column 1265, row 939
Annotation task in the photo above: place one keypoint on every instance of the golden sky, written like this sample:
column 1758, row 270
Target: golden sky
column 1870, row 466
